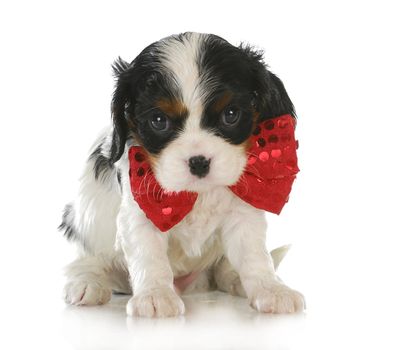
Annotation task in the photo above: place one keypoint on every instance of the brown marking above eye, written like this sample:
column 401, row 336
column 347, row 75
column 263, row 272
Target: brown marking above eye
column 222, row 102
column 173, row 108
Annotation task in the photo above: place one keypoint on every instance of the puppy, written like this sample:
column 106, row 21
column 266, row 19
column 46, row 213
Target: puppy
column 188, row 105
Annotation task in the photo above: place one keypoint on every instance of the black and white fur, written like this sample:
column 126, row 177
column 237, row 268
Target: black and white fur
column 222, row 238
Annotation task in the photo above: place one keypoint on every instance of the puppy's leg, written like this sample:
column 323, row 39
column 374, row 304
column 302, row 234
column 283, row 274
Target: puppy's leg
column 151, row 277
column 88, row 282
column 227, row 279
column 243, row 237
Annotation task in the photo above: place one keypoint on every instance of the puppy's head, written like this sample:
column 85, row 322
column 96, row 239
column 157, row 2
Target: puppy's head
column 192, row 101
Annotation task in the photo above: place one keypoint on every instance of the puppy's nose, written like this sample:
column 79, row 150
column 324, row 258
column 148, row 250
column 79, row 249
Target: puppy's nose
column 199, row 166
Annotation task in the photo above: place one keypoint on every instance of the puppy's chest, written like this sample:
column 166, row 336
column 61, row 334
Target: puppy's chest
column 209, row 209
column 204, row 220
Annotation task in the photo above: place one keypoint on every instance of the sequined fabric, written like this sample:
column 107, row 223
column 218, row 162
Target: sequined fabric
column 271, row 167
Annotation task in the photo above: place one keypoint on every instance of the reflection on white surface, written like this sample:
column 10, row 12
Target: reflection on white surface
column 212, row 321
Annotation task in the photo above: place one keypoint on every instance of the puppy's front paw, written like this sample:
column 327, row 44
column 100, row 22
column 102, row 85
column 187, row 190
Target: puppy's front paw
column 162, row 302
column 86, row 293
column 277, row 299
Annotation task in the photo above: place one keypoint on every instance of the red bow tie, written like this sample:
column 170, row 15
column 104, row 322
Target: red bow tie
column 265, row 184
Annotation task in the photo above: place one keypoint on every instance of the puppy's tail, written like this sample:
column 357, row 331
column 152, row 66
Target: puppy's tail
column 278, row 254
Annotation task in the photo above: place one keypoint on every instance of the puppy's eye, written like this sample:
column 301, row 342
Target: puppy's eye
column 230, row 116
column 160, row 123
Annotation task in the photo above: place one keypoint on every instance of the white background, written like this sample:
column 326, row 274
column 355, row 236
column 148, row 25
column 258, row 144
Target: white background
column 348, row 67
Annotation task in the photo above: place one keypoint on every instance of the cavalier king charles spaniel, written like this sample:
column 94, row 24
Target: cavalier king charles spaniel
column 187, row 107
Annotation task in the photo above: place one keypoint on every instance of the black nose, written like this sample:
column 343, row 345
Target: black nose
column 199, row 166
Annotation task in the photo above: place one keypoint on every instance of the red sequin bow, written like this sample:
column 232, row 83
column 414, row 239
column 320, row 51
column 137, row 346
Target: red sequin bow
column 265, row 184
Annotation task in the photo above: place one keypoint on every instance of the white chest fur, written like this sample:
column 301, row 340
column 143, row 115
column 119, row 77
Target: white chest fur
column 195, row 242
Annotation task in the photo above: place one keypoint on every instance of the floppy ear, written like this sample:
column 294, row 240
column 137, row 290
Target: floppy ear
column 119, row 107
column 274, row 100
column 271, row 98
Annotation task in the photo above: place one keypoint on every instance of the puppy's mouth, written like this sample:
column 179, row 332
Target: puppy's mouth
column 197, row 184
column 200, row 179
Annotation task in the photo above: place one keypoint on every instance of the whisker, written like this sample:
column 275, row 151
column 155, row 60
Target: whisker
column 160, row 194
column 244, row 183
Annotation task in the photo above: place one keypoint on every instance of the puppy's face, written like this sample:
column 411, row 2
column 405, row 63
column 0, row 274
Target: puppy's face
column 192, row 101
